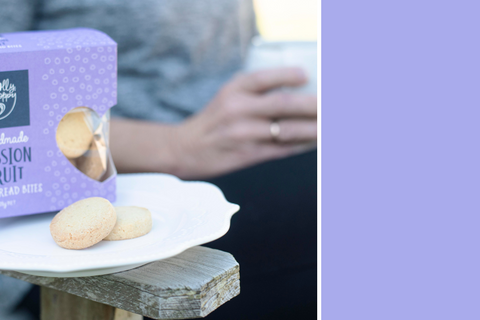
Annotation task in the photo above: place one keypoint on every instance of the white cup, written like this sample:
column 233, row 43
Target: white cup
column 272, row 54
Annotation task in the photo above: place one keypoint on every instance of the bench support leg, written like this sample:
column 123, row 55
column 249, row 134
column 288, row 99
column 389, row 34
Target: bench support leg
column 58, row 305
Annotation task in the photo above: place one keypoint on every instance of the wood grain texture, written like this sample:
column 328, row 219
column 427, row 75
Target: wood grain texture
column 189, row 285
column 125, row 315
column 58, row 305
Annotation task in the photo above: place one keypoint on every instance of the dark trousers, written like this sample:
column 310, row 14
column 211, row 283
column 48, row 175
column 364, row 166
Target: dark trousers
column 274, row 239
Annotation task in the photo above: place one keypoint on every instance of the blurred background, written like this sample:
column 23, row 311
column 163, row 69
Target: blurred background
column 283, row 20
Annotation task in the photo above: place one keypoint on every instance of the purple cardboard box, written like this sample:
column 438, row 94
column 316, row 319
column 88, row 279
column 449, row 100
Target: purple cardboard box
column 44, row 75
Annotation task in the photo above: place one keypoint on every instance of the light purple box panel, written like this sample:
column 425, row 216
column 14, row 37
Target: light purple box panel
column 66, row 69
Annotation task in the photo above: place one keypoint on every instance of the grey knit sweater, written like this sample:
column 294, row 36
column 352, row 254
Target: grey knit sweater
column 173, row 54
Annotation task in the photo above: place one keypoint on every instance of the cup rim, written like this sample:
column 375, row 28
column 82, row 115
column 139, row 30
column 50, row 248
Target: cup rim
column 261, row 42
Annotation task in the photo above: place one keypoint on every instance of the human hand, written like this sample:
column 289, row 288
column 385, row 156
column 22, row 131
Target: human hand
column 234, row 131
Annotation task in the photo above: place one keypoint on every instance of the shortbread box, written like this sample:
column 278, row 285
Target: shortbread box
column 56, row 91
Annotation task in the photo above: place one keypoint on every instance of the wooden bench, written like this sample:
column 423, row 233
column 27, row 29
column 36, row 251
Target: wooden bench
column 189, row 285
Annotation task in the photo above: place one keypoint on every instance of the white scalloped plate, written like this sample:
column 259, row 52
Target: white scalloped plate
column 185, row 214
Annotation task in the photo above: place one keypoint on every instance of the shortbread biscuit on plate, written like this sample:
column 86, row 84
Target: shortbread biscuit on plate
column 83, row 223
column 132, row 222
column 74, row 132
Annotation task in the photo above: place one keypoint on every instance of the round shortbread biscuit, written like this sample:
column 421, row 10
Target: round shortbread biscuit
column 74, row 133
column 83, row 223
column 91, row 166
column 73, row 161
column 91, row 163
column 132, row 222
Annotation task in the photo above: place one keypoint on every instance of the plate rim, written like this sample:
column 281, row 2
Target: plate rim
column 233, row 208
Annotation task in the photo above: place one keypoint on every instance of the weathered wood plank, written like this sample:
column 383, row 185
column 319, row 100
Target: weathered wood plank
column 189, row 285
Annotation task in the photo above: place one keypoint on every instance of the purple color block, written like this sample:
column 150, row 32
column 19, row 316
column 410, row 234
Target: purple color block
column 401, row 177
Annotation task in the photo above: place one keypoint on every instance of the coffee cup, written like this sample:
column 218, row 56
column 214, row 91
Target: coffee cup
column 264, row 54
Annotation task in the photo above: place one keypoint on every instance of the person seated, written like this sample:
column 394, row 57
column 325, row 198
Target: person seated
column 186, row 108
